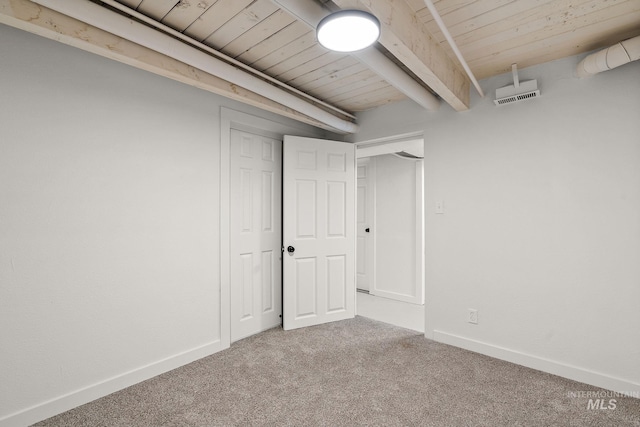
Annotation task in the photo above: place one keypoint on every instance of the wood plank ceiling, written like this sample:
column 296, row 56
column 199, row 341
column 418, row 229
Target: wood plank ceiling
column 491, row 34
column 270, row 40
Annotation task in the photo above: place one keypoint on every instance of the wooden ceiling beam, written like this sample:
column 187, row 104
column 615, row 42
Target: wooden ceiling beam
column 33, row 18
column 407, row 38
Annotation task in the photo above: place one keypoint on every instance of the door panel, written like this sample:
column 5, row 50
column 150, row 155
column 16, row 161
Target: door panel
column 365, row 226
column 306, row 287
column 268, row 282
column 305, row 217
column 336, row 271
column 256, row 171
column 319, row 225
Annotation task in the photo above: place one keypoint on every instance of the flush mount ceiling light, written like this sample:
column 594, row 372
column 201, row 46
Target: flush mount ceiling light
column 348, row 30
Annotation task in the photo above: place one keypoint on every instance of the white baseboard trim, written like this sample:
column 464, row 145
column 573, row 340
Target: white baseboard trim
column 395, row 296
column 574, row 373
column 74, row 399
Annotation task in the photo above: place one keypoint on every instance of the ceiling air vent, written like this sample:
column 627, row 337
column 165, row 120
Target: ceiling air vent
column 518, row 91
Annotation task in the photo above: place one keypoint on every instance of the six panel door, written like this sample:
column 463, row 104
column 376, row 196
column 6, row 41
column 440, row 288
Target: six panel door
column 318, row 231
column 256, row 280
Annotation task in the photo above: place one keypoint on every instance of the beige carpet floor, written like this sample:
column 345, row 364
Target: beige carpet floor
column 357, row 372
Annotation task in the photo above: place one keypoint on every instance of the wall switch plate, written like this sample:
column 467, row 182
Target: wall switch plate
column 473, row 316
column 439, row 206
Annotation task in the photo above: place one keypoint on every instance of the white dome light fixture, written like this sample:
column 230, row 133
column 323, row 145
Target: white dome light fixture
column 348, row 30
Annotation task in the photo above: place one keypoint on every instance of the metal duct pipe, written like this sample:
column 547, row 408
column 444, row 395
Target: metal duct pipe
column 611, row 57
column 311, row 13
column 177, row 34
column 453, row 44
column 121, row 26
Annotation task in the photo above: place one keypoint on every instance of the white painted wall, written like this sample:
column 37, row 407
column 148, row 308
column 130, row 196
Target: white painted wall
column 109, row 225
column 541, row 231
column 398, row 268
column 109, row 184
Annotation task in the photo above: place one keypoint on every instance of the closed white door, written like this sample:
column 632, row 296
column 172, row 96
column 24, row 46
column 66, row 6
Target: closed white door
column 318, row 231
column 256, row 171
column 365, row 224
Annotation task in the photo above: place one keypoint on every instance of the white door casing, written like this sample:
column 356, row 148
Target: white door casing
column 319, row 223
column 365, row 224
column 255, row 222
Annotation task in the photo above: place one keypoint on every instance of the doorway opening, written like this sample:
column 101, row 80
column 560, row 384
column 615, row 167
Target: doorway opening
column 318, row 267
column 239, row 272
column 390, row 231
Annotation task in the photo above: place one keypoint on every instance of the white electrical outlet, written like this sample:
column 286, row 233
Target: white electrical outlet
column 473, row 316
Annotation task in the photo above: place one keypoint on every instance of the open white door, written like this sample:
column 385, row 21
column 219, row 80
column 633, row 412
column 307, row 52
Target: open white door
column 318, row 231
